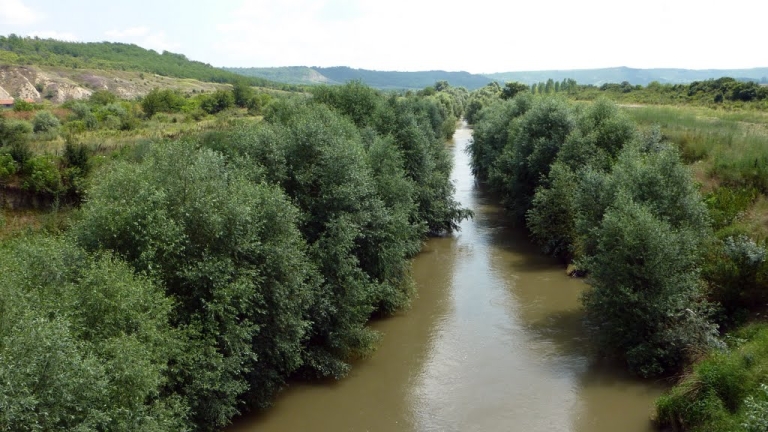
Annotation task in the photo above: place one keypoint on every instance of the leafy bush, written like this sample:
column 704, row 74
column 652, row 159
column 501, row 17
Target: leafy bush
column 645, row 302
column 45, row 121
column 725, row 391
column 77, row 155
column 42, row 175
column 166, row 100
column 737, row 274
column 102, row 97
column 229, row 252
column 20, row 105
column 8, row 167
column 15, row 135
column 551, row 218
column 85, row 343
column 757, row 411
column 534, row 141
column 217, row 102
column 491, row 133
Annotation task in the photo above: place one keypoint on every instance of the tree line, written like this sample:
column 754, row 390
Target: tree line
column 201, row 274
column 670, row 272
column 594, row 190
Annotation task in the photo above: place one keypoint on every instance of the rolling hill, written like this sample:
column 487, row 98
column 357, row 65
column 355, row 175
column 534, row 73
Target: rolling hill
column 631, row 75
column 386, row 80
column 417, row 80
column 110, row 56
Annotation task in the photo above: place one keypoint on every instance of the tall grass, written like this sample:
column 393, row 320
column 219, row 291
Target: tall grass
column 733, row 144
column 723, row 392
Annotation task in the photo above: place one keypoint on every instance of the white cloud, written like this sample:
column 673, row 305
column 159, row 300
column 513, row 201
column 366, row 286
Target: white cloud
column 143, row 37
column 14, row 12
column 65, row 36
column 490, row 36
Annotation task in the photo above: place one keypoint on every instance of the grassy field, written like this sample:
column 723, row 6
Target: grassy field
column 724, row 149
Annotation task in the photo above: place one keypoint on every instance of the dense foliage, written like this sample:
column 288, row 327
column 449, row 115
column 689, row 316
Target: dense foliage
column 589, row 186
column 85, row 344
column 250, row 255
column 725, row 392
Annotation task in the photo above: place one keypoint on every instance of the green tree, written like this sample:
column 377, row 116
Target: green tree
column 229, row 252
column 102, row 97
column 217, row 102
column 242, row 93
column 45, row 121
column 534, row 141
column 15, row 137
column 85, row 343
column 512, row 89
column 157, row 100
column 646, row 303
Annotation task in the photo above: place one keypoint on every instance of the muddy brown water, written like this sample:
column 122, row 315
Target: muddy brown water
column 494, row 342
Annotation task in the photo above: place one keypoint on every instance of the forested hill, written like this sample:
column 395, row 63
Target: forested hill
column 418, row 80
column 631, row 75
column 378, row 79
column 16, row 50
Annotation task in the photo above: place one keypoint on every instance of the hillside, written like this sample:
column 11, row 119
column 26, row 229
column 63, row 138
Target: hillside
column 59, row 84
column 387, row 80
column 20, row 51
column 288, row 74
column 631, row 75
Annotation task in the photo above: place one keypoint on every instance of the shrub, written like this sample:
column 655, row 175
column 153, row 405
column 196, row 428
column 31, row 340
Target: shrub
column 8, row 167
column 45, row 121
column 736, row 272
column 102, row 97
column 77, row 155
column 15, row 135
column 217, row 102
column 553, row 212
column 725, row 391
column 534, row 141
column 167, row 101
column 85, row 343
column 757, row 411
column 229, row 252
column 20, row 105
column 42, row 175
column 645, row 302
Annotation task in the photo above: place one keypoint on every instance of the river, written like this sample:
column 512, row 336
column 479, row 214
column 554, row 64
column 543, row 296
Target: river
column 493, row 342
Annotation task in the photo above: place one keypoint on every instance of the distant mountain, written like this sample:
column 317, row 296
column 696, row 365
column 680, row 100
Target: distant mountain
column 379, row 79
column 419, row 80
column 287, row 74
column 633, row 76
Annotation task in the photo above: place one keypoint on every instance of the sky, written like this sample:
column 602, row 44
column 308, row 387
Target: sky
column 478, row 36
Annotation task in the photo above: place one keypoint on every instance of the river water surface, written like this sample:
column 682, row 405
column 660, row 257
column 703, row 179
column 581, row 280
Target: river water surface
column 494, row 342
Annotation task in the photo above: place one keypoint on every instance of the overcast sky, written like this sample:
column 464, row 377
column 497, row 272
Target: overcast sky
column 473, row 35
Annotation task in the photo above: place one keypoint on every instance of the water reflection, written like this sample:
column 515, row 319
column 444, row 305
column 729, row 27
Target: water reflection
column 494, row 342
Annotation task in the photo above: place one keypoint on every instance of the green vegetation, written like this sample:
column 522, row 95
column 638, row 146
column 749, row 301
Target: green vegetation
column 85, row 343
column 643, row 77
column 606, row 189
column 590, row 187
column 385, row 80
column 203, row 271
column 17, row 50
column 726, row 391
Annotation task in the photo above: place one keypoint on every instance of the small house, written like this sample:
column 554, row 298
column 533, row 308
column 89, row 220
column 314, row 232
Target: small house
column 6, row 103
